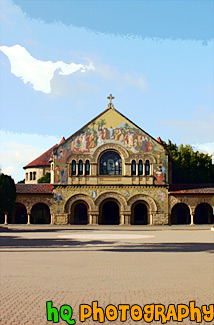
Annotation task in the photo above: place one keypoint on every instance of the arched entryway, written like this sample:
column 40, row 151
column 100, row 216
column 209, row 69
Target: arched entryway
column 20, row 214
column 109, row 213
column 139, row 214
column 40, row 214
column 79, row 213
column 180, row 214
column 203, row 214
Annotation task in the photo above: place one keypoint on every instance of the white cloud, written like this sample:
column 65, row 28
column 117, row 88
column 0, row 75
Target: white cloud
column 205, row 148
column 130, row 79
column 105, row 76
column 38, row 73
column 17, row 150
column 197, row 129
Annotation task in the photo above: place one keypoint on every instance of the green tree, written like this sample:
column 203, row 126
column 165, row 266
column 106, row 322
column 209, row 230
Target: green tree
column 45, row 179
column 189, row 166
column 7, row 194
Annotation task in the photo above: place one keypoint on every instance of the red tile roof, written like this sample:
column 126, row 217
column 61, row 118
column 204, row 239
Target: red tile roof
column 42, row 160
column 159, row 140
column 63, row 139
column 34, row 188
column 191, row 189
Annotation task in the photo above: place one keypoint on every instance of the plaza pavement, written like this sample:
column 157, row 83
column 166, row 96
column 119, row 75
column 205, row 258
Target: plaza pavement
column 111, row 264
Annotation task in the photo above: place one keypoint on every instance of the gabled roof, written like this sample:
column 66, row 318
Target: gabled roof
column 42, row 160
column 110, row 108
column 34, row 188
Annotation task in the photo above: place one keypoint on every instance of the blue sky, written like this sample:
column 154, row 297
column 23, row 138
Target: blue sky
column 59, row 60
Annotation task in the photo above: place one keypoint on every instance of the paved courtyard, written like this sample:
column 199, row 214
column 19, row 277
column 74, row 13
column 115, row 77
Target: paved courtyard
column 111, row 264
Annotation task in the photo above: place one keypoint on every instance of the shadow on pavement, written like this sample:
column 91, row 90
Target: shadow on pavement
column 11, row 242
column 18, row 242
column 97, row 228
column 164, row 248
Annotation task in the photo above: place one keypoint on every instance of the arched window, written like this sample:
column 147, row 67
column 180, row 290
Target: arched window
column 110, row 163
column 133, row 167
column 140, row 168
column 73, row 171
column 30, row 176
column 80, row 168
column 147, row 167
column 34, row 176
column 87, row 167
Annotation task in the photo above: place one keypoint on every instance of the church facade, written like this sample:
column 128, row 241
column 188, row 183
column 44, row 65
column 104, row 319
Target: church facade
column 110, row 172
column 111, row 165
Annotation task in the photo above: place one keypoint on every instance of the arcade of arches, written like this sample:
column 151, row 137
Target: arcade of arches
column 110, row 172
column 112, row 209
column 181, row 214
column 38, row 214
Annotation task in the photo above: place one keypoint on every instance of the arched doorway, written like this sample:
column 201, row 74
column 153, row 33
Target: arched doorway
column 40, row 214
column 180, row 214
column 20, row 214
column 139, row 214
column 203, row 214
column 79, row 213
column 109, row 213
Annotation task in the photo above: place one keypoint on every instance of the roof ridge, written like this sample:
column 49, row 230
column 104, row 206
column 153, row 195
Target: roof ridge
column 42, row 160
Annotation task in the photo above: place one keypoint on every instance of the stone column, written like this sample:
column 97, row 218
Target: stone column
column 192, row 215
column 94, row 219
column 150, row 219
column 28, row 219
column 52, row 219
column 77, row 164
column 136, row 169
column 122, row 219
column 83, row 168
column 5, row 218
column 127, row 219
column 192, row 219
column 90, row 219
column 144, row 169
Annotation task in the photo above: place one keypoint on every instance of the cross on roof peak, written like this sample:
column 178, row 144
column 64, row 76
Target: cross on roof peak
column 110, row 97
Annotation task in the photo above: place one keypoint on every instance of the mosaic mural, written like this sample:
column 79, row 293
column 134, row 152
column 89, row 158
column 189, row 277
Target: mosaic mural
column 110, row 127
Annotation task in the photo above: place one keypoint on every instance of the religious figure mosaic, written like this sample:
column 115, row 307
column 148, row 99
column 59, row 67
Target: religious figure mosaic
column 110, row 127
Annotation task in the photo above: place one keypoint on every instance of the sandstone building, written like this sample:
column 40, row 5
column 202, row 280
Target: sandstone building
column 109, row 172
